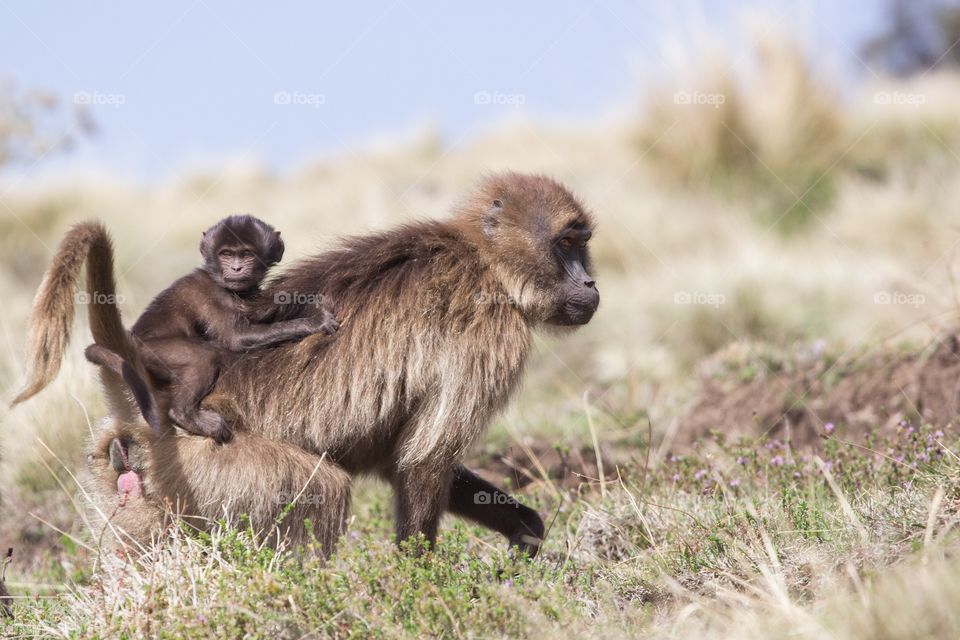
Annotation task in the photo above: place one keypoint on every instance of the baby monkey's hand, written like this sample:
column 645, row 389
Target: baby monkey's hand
column 325, row 323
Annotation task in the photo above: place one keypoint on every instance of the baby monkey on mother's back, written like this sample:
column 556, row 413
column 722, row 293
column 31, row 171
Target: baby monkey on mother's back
column 194, row 328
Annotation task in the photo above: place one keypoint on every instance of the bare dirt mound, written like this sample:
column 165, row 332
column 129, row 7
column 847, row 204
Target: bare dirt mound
column 746, row 392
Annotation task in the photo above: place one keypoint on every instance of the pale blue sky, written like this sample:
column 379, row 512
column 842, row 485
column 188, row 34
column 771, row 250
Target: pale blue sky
column 198, row 79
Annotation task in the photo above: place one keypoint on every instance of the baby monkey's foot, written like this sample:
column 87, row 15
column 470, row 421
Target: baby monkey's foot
column 204, row 422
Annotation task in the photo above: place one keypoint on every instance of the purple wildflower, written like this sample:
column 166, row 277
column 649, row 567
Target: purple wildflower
column 818, row 348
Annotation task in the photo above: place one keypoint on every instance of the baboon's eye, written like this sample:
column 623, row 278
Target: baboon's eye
column 565, row 243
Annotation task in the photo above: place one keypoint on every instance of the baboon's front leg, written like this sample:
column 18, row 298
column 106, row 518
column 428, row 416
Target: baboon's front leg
column 474, row 498
column 421, row 495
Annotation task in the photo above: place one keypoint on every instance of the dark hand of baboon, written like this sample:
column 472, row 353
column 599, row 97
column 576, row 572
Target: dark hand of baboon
column 192, row 329
column 476, row 499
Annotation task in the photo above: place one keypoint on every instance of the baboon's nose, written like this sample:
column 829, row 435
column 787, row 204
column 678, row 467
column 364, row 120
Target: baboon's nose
column 589, row 284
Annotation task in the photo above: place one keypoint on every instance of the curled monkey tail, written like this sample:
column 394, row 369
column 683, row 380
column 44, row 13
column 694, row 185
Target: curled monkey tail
column 51, row 318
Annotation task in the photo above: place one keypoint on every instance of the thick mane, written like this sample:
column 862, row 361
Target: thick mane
column 362, row 268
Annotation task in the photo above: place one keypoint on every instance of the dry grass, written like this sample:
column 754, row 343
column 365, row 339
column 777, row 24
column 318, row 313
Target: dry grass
column 767, row 129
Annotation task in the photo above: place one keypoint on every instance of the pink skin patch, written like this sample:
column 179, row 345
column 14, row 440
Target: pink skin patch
column 128, row 484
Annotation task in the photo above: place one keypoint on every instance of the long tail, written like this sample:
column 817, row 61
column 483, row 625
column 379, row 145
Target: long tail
column 87, row 244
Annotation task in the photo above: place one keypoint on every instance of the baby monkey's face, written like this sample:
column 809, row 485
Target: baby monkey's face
column 240, row 267
column 238, row 250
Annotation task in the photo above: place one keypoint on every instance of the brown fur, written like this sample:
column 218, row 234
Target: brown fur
column 264, row 478
column 438, row 320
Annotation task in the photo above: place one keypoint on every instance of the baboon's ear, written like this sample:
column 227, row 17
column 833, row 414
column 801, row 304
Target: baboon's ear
column 100, row 355
column 204, row 244
column 492, row 219
column 277, row 253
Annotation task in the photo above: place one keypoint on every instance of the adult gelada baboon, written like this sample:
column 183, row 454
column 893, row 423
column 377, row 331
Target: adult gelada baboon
column 437, row 325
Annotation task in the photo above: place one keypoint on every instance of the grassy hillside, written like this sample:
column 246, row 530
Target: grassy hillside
column 753, row 438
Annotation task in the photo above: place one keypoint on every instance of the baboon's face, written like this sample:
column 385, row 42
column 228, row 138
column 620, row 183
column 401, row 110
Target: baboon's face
column 540, row 235
column 577, row 297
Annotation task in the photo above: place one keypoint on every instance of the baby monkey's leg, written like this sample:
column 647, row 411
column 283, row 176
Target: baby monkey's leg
column 192, row 368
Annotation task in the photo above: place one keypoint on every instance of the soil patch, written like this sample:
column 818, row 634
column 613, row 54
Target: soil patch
column 794, row 399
